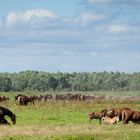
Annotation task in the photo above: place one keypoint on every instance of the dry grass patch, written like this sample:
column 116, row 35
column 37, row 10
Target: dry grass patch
column 100, row 132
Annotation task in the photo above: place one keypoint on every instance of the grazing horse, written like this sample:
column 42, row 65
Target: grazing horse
column 116, row 112
column 6, row 112
column 97, row 115
column 24, row 100
column 4, row 99
column 16, row 97
column 131, row 115
column 3, row 121
column 108, row 120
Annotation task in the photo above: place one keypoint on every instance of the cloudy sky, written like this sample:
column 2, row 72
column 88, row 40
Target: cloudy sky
column 70, row 35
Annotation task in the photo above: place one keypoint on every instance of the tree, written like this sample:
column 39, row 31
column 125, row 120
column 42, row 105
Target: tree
column 5, row 84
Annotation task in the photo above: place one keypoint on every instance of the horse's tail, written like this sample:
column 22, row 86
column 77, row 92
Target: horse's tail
column 123, row 116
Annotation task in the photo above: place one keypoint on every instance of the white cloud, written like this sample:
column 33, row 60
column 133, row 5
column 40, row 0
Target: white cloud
column 118, row 28
column 114, row 2
column 39, row 18
column 86, row 18
column 14, row 18
column 98, row 1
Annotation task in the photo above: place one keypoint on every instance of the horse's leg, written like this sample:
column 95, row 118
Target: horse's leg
column 100, row 122
column 4, row 121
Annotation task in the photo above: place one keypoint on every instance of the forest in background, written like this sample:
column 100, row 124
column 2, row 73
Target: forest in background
column 84, row 81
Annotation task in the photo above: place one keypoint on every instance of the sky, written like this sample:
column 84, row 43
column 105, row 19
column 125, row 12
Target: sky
column 70, row 35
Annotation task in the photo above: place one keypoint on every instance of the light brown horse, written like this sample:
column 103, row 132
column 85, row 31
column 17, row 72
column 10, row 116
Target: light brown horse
column 108, row 120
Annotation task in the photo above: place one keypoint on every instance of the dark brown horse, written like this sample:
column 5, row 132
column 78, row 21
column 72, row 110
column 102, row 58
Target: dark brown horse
column 3, row 121
column 97, row 115
column 6, row 112
column 24, row 100
column 16, row 97
column 116, row 112
column 131, row 115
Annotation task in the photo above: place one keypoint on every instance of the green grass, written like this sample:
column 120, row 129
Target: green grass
column 65, row 121
column 67, row 137
column 60, row 113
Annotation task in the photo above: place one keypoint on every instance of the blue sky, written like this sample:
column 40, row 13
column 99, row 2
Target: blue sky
column 70, row 35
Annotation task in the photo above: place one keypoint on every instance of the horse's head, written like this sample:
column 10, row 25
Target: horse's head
column 91, row 115
column 13, row 119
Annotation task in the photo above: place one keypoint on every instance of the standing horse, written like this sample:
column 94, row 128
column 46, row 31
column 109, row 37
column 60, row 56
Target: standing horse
column 116, row 112
column 6, row 112
column 131, row 115
column 24, row 100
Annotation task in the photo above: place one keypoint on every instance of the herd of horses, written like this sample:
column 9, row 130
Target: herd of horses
column 107, row 116
column 25, row 100
column 114, row 115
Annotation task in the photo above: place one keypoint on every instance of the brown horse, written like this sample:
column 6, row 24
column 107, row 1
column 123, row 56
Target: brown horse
column 97, row 115
column 131, row 115
column 4, row 99
column 24, row 100
column 6, row 112
column 116, row 112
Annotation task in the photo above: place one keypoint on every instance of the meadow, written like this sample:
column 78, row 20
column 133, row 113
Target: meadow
column 67, row 121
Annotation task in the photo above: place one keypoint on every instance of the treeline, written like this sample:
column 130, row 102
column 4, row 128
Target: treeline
column 44, row 81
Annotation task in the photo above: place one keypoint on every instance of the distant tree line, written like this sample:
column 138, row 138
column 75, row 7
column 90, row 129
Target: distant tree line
column 44, row 81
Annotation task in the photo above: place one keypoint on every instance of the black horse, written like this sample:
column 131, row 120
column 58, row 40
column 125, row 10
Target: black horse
column 6, row 112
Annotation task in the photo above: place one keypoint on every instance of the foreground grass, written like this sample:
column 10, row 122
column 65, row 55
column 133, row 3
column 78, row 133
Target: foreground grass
column 68, row 137
column 72, row 132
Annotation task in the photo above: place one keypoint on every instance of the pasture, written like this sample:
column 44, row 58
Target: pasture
column 66, row 121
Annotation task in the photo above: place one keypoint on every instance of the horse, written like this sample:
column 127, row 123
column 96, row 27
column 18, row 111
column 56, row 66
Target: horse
column 16, row 97
column 4, row 99
column 131, row 115
column 3, row 121
column 30, row 99
column 97, row 115
column 108, row 120
column 6, row 112
column 22, row 100
column 116, row 112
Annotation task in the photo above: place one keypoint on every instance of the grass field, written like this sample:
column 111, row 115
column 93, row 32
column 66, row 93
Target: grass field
column 66, row 121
